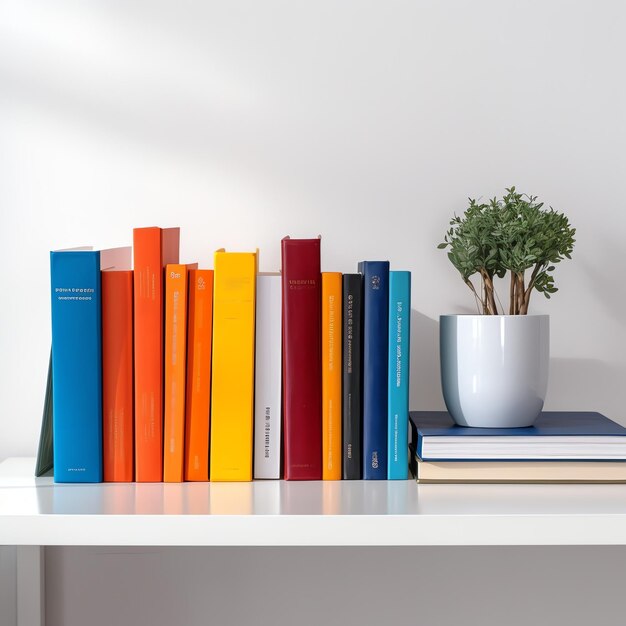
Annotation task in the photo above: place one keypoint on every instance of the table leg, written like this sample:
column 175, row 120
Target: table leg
column 30, row 586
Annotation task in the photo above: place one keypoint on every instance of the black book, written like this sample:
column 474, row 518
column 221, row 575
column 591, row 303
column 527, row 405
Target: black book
column 352, row 375
column 44, row 451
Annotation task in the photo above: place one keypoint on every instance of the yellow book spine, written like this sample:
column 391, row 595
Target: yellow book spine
column 232, row 390
column 331, row 375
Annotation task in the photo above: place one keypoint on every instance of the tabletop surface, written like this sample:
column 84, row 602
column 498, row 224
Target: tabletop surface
column 38, row 511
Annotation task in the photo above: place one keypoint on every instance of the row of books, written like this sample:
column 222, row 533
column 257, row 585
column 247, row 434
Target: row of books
column 171, row 372
column 561, row 447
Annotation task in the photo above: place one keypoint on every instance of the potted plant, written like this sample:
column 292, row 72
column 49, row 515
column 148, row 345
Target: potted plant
column 494, row 365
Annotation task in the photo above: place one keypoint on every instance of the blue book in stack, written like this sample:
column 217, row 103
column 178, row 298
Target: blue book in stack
column 562, row 446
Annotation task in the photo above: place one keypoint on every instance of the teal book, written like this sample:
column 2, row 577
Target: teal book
column 398, row 375
column 76, row 297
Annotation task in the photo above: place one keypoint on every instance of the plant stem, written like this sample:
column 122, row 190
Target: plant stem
column 520, row 293
column 486, row 296
column 490, row 301
column 531, row 285
column 469, row 283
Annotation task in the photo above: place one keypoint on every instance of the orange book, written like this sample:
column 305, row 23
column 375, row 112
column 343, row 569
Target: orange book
column 197, row 408
column 117, row 375
column 175, row 370
column 331, row 375
column 153, row 249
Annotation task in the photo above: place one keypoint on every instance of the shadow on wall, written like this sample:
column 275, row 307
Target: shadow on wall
column 587, row 385
column 425, row 388
column 602, row 284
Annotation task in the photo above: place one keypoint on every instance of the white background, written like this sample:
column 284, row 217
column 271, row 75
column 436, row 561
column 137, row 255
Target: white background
column 369, row 123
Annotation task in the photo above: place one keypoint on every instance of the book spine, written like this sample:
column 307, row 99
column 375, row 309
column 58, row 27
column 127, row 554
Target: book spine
column 148, row 337
column 375, row 348
column 117, row 375
column 175, row 371
column 198, row 404
column 268, row 374
column 352, row 356
column 232, row 401
column 77, row 365
column 302, row 389
column 331, row 376
column 412, row 433
column 398, row 371
column 44, row 450
column 413, row 467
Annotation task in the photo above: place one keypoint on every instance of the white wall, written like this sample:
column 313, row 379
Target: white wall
column 367, row 122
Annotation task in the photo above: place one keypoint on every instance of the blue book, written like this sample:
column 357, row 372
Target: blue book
column 555, row 436
column 375, row 355
column 77, row 363
column 398, row 375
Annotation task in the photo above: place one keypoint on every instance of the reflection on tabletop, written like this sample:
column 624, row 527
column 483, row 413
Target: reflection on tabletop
column 22, row 494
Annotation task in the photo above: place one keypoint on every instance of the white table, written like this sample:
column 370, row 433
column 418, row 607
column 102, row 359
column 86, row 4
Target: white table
column 37, row 512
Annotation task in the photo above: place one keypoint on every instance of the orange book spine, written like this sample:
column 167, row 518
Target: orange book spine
column 331, row 375
column 117, row 375
column 175, row 371
column 153, row 249
column 197, row 409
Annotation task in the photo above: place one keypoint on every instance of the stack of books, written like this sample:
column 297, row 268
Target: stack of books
column 561, row 447
column 163, row 371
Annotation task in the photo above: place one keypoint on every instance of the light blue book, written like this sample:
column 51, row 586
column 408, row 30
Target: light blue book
column 398, row 375
column 77, row 361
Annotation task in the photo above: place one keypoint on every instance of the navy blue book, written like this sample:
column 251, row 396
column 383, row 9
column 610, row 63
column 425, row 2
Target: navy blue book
column 555, row 436
column 375, row 357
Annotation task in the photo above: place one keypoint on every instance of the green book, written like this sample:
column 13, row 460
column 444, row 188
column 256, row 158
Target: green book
column 44, row 451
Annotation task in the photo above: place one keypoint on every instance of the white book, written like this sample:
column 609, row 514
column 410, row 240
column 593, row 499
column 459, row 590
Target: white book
column 268, row 377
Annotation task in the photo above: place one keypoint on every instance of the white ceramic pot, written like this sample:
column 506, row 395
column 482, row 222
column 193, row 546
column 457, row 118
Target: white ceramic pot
column 494, row 368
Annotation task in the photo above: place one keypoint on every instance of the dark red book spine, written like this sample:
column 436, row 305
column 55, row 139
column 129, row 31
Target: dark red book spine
column 302, row 363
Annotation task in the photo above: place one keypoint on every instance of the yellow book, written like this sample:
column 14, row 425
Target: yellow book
column 331, row 375
column 232, row 388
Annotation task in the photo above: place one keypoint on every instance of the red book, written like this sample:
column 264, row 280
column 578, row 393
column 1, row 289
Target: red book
column 117, row 375
column 302, row 363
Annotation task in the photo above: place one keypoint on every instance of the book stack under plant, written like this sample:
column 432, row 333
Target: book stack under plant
column 561, row 447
